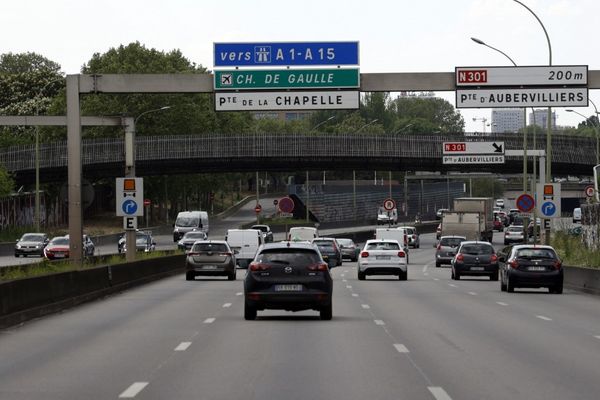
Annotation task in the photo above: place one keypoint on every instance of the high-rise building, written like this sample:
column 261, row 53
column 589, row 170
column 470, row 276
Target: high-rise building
column 540, row 118
column 507, row 120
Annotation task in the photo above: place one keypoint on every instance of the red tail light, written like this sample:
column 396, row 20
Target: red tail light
column 401, row 254
column 439, row 247
column 514, row 264
column 226, row 254
column 460, row 257
column 494, row 258
column 318, row 267
column 557, row 264
column 364, row 254
column 193, row 254
column 414, row 236
column 259, row 267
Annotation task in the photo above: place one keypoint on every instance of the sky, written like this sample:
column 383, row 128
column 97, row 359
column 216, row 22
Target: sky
column 394, row 35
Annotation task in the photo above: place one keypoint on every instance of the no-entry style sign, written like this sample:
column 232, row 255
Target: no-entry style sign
column 257, row 208
column 589, row 191
column 389, row 204
column 286, row 205
column 525, row 203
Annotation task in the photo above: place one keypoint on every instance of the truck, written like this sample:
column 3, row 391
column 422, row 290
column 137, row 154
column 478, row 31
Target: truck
column 471, row 217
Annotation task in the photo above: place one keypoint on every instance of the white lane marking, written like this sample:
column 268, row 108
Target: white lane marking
column 133, row 390
column 344, row 280
column 239, row 293
column 354, row 294
column 209, row 320
column 501, row 303
column 473, row 293
column 436, row 279
column 426, row 274
column 348, row 287
column 365, row 306
column 597, row 336
column 439, row 393
column 425, row 267
column 544, row 318
column 451, row 284
column 226, row 305
column 379, row 322
column 401, row 348
column 183, row 346
column 343, row 275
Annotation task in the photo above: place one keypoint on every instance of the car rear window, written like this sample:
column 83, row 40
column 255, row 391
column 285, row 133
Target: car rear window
column 515, row 229
column 219, row 247
column 345, row 242
column 409, row 231
column 536, row 253
column 195, row 235
column 299, row 257
column 477, row 249
column 383, row 246
column 451, row 241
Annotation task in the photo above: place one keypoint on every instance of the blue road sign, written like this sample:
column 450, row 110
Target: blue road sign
column 548, row 209
column 282, row 54
column 129, row 207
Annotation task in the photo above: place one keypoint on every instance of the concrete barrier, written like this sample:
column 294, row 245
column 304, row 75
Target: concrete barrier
column 583, row 279
column 24, row 299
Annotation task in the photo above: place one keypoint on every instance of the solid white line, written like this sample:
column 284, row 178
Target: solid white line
column 379, row 322
column 544, row 318
column 439, row 393
column 365, row 306
column 209, row 320
column 425, row 267
column 133, row 390
column 354, row 294
column 348, row 287
column 501, row 303
column 473, row 293
column 239, row 293
column 183, row 346
column 401, row 348
column 343, row 275
column 451, row 284
column 436, row 279
column 226, row 305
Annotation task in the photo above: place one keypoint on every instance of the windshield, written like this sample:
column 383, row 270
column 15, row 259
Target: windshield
column 477, row 249
column 451, row 241
column 32, row 238
column 60, row 241
column 186, row 222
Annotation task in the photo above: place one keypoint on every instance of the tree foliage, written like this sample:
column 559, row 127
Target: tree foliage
column 6, row 182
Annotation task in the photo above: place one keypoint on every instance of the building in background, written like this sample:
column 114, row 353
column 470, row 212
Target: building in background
column 540, row 117
column 507, row 120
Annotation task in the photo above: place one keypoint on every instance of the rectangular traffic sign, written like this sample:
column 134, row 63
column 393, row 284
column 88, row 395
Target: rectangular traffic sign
column 130, row 223
column 130, row 197
column 286, row 79
column 548, row 200
column 265, row 101
column 473, row 148
column 518, row 97
column 285, row 53
column 555, row 75
column 474, row 159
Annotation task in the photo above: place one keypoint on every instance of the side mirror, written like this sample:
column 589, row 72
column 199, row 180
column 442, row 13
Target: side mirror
column 236, row 252
column 501, row 258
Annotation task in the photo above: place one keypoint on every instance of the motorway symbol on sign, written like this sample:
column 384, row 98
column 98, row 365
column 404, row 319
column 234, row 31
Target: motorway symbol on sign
column 286, row 205
column 589, row 191
column 129, row 207
column 525, row 203
column 522, row 97
column 285, row 53
column 287, row 79
column 548, row 209
column 473, row 148
column 555, row 75
column 266, row 101
column 389, row 204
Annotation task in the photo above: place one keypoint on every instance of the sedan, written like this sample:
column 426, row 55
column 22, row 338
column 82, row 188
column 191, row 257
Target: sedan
column 188, row 240
column 382, row 257
column 349, row 249
column 58, row 248
column 288, row 276
column 31, row 244
column 475, row 258
column 212, row 258
column 530, row 266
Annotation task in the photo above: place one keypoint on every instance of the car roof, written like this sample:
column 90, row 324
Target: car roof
column 453, row 237
column 211, row 241
column 532, row 246
column 289, row 245
column 381, row 240
column 476, row 242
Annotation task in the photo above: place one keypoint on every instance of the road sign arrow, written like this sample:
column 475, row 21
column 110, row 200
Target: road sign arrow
column 498, row 148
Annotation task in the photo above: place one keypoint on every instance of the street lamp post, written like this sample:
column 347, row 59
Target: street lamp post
column 596, row 131
column 365, row 125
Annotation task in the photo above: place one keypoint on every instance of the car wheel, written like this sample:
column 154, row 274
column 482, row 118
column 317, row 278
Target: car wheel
column 249, row 312
column 354, row 259
column 510, row 287
column 457, row 275
column 438, row 265
column 190, row 276
column 419, row 246
column 557, row 289
column 502, row 285
column 326, row 312
column 403, row 275
column 494, row 276
column 232, row 276
column 361, row 276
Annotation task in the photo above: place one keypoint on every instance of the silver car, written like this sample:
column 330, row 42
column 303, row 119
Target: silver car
column 349, row 249
column 513, row 234
column 31, row 244
column 446, row 249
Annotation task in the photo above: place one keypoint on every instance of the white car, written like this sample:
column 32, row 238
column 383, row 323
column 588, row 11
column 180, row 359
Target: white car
column 500, row 203
column 382, row 257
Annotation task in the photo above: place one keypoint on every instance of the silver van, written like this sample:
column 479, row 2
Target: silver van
column 188, row 221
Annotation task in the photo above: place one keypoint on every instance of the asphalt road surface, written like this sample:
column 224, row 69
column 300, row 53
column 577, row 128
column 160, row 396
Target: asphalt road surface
column 425, row 338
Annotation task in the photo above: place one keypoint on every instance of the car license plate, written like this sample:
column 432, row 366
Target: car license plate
column 536, row 268
column 288, row 288
column 209, row 267
column 477, row 268
column 59, row 255
column 382, row 257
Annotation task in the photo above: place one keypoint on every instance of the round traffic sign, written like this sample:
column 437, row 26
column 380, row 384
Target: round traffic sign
column 286, row 205
column 257, row 208
column 129, row 207
column 525, row 203
column 589, row 191
column 147, row 202
column 275, row 202
column 389, row 204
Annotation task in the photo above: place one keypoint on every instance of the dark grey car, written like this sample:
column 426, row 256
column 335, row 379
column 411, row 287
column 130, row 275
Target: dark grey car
column 446, row 249
column 475, row 258
column 31, row 244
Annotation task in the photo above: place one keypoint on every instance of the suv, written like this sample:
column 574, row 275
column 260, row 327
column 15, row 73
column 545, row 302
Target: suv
column 288, row 276
column 413, row 237
column 210, row 257
column 446, row 249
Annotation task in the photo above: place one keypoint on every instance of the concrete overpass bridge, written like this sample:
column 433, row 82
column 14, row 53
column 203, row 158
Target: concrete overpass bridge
column 187, row 154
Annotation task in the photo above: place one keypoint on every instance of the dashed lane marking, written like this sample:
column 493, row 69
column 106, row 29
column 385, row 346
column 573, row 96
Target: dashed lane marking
column 354, row 294
column 439, row 393
column 209, row 320
column 226, row 305
column 133, row 390
column 452, row 285
column 501, row 303
column 401, row 348
column 473, row 293
column 365, row 306
column 239, row 293
column 379, row 322
column 544, row 318
column 183, row 346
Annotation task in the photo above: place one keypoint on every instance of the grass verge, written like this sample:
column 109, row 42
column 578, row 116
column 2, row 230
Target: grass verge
column 573, row 252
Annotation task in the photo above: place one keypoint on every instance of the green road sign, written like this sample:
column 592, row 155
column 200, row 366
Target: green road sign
column 287, row 79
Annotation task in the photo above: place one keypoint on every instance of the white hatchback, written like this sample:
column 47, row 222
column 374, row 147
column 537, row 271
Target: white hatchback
column 382, row 257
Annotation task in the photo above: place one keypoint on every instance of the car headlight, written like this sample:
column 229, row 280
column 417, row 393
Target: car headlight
column 18, row 246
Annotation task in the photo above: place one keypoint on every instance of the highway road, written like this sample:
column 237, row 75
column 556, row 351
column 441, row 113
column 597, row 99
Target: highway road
column 425, row 338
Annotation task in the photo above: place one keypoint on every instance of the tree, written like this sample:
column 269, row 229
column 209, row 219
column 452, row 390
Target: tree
column 6, row 182
column 433, row 113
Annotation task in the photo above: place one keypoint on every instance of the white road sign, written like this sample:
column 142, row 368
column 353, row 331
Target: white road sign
column 517, row 97
column 473, row 148
column 555, row 75
column 130, row 197
column 265, row 101
column 475, row 159
column 548, row 200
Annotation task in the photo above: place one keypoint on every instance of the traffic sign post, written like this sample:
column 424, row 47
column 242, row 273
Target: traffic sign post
column 473, row 148
column 286, row 205
column 589, row 191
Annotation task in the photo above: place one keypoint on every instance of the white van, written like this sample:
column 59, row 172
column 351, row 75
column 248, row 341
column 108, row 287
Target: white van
column 577, row 215
column 399, row 234
column 302, row 233
column 188, row 221
column 245, row 243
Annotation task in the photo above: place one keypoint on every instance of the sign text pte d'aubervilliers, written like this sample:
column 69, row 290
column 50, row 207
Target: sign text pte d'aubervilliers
column 256, row 101
column 478, row 159
column 515, row 97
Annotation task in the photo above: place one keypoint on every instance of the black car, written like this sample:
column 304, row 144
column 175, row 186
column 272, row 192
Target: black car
column 530, row 266
column 475, row 258
column 31, row 244
column 289, row 276
column 189, row 238
column 330, row 251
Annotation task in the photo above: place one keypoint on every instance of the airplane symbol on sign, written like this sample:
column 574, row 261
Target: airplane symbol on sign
column 226, row 79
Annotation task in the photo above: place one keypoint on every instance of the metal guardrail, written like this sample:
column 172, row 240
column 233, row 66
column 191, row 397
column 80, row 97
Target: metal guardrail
column 261, row 146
